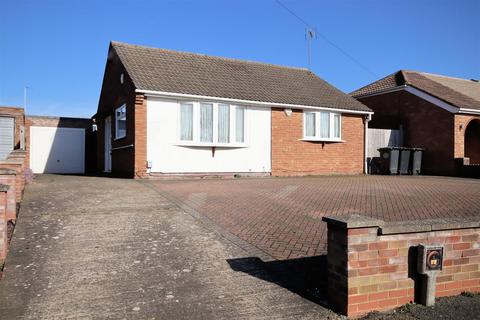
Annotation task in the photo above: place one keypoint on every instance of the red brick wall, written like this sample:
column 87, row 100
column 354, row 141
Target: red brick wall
column 140, row 136
column 461, row 123
column 3, row 228
column 424, row 124
column 368, row 271
column 19, row 116
column 112, row 96
column 17, row 185
column 291, row 156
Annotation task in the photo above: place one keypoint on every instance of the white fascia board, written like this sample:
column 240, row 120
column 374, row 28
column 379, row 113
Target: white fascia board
column 171, row 95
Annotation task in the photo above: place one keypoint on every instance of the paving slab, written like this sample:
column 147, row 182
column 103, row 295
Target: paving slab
column 99, row 248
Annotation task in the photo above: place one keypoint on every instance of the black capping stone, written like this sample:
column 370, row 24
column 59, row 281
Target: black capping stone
column 427, row 225
column 351, row 221
column 7, row 171
column 4, row 188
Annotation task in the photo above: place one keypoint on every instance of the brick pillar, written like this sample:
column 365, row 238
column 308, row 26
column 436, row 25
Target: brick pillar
column 342, row 257
column 9, row 177
column 3, row 223
column 17, row 160
column 140, row 154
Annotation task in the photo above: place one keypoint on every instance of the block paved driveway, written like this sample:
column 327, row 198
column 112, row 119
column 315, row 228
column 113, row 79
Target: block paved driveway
column 282, row 216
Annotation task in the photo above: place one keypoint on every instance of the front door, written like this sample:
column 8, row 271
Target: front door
column 108, row 144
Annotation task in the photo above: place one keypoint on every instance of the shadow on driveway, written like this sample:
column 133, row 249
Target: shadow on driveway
column 306, row 277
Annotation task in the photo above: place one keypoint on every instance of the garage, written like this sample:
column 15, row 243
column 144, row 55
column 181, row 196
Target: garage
column 7, row 135
column 57, row 150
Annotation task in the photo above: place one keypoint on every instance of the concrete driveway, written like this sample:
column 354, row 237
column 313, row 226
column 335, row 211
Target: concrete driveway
column 282, row 217
column 98, row 248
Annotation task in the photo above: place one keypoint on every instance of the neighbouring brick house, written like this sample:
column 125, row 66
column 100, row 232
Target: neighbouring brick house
column 435, row 112
column 164, row 112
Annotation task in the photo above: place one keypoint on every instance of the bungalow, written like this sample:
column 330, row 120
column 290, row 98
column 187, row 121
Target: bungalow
column 164, row 112
column 435, row 112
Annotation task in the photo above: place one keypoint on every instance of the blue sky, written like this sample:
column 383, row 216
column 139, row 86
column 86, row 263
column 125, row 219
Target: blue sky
column 58, row 48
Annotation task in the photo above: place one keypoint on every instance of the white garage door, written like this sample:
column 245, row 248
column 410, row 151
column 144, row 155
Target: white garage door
column 57, row 150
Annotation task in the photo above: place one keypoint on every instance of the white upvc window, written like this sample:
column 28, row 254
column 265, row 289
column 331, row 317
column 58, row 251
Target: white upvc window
column 186, row 121
column 322, row 126
column 211, row 124
column 239, row 124
column 121, row 122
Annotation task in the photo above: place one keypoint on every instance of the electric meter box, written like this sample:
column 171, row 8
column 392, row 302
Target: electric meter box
column 430, row 259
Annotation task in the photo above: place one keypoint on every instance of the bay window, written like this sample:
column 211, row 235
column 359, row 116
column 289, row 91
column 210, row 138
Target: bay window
column 206, row 123
column 322, row 126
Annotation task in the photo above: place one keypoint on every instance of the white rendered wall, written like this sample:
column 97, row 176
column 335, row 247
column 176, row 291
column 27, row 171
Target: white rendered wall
column 167, row 156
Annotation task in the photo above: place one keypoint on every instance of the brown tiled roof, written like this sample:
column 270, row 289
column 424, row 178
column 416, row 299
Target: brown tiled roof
column 462, row 93
column 188, row 73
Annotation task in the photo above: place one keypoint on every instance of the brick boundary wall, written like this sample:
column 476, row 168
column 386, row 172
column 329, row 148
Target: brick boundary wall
column 16, row 161
column 8, row 177
column 3, row 225
column 372, row 263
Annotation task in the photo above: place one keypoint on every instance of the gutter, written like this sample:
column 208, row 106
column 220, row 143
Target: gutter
column 163, row 94
column 469, row 111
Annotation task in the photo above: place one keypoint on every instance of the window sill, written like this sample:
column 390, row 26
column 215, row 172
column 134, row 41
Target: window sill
column 322, row 140
column 209, row 145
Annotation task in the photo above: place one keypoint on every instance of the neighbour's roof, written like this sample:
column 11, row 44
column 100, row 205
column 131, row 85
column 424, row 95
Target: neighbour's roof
column 195, row 74
column 462, row 93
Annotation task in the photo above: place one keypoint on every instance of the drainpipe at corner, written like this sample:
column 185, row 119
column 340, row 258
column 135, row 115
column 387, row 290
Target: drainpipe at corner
column 365, row 164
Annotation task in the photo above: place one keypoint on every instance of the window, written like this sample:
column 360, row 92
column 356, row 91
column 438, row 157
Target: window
column 322, row 126
column 310, row 124
column 186, row 122
column 336, row 125
column 206, row 123
column 121, row 122
column 240, row 124
column 223, row 123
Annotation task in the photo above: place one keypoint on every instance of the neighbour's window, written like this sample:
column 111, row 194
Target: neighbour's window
column 186, row 121
column 121, row 122
column 322, row 125
column 207, row 123
column 240, row 124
